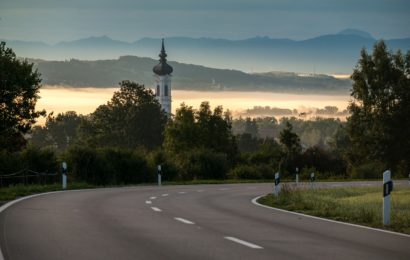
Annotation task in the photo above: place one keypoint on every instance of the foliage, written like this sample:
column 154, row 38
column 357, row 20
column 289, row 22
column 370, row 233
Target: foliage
column 200, row 129
column 132, row 118
column 18, row 97
column 292, row 148
column 59, row 132
column 202, row 163
column 379, row 125
column 252, row 172
column 31, row 158
column 108, row 166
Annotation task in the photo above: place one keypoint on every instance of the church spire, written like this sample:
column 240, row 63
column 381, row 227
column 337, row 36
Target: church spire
column 163, row 55
column 162, row 68
column 163, row 80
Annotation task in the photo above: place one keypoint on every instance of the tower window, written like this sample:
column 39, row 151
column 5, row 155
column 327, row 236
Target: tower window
column 166, row 90
column 157, row 90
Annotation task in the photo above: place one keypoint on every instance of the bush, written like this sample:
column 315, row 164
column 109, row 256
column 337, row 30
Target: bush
column 368, row 170
column 169, row 171
column 202, row 164
column 40, row 160
column 108, row 166
column 252, row 172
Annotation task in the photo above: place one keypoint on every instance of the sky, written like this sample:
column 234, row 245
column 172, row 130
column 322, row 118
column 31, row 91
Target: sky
column 52, row 21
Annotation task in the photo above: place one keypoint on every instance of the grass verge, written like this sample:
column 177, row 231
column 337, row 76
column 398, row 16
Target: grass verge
column 20, row 190
column 358, row 205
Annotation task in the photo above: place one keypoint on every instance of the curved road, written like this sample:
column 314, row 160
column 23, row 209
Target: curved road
column 181, row 222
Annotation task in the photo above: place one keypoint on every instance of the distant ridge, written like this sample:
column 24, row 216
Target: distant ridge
column 357, row 33
column 329, row 54
column 108, row 73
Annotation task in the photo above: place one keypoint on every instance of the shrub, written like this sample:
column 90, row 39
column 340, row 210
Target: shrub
column 202, row 164
column 108, row 166
column 252, row 172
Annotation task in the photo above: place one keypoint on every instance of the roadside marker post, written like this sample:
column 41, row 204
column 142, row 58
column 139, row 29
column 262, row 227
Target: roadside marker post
column 409, row 178
column 387, row 189
column 312, row 180
column 277, row 184
column 64, row 175
column 297, row 176
column 159, row 175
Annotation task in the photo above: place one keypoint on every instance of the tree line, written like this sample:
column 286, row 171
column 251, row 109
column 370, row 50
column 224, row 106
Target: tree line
column 122, row 141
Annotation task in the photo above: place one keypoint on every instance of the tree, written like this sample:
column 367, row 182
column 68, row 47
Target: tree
column 291, row 145
column 201, row 128
column 18, row 96
column 379, row 123
column 59, row 131
column 251, row 127
column 133, row 118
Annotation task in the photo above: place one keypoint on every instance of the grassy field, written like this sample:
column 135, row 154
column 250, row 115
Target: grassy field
column 13, row 192
column 354, row 205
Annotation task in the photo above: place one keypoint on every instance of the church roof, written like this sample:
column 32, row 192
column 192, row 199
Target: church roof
column 162, row 68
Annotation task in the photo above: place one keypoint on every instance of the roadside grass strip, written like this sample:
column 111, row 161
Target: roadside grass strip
column 357, row 205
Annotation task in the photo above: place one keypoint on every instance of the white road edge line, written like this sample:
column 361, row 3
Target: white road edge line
column 156, row 209
column 148, row 202
column 254, row 201
column 242, row 242
column 185, row 221
column 152, row 198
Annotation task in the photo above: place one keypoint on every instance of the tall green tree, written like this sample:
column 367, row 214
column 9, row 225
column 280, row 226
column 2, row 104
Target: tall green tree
column 379, row 124
column 291, row 146
column 133, row 118
column 59, row 131
column 19, row 87
column 201, row 128
column 251, row 127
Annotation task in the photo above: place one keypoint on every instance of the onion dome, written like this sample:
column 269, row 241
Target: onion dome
column 162, row 68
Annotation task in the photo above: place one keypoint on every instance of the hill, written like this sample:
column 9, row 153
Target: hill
column 328, row 54
column 108, row 73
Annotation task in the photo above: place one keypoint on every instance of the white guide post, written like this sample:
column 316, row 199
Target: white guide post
column 387, row 189
column 312, row 180
column 64, row 175
column 409, row 178
column 277, row 184
column 159, row 175
column 297, row 176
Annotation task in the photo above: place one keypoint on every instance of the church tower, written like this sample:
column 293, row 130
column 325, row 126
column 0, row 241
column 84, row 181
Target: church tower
column 163, row 81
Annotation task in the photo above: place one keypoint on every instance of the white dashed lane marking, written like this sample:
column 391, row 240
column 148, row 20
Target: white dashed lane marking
column 244, row 243
column 152, row 198
column 148, row 202
column 156, row 209
column 165, row 194
column 185, row 221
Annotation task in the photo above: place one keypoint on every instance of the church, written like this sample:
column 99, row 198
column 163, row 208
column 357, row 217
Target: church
column 163, row 81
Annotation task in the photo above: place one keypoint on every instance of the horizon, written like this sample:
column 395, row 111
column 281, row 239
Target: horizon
column 126, row 19
column 256, row 36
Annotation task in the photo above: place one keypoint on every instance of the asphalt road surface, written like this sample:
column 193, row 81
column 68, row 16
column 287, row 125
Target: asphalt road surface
column 181, row 222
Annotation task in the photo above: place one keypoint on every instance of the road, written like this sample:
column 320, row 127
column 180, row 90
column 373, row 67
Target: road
column 181, row 222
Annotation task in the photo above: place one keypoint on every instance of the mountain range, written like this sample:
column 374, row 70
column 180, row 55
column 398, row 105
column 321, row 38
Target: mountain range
column 108, row 73
column 329, row 54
